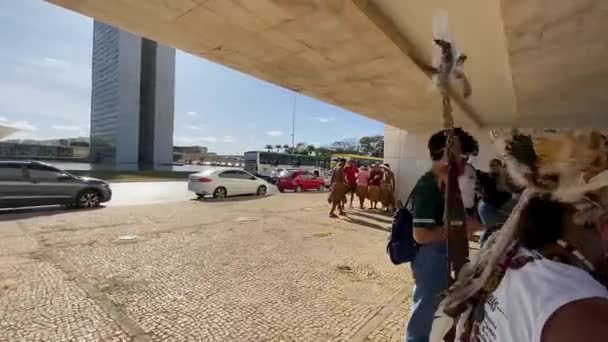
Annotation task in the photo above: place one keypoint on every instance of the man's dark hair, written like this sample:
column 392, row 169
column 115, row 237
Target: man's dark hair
column 468, row 144
column 542, row 221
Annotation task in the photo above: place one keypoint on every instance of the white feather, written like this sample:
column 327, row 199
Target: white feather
column 576, row 192
column 441, row 25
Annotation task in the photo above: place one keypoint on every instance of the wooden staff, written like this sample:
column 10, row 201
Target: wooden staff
column 454, row 213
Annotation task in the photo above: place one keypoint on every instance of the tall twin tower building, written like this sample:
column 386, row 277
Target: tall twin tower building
column 132, row 100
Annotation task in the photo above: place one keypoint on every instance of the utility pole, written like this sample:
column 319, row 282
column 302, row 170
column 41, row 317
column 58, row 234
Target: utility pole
column 293, row 121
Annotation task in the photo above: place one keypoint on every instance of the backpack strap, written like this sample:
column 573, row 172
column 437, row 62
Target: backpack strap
column 410, row 197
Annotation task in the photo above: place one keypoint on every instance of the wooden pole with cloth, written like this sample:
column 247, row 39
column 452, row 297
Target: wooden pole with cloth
column 454, row 213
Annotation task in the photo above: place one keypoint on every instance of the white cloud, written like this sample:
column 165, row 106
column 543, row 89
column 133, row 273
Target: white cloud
column 51, row 102
column 322, row 119
column 55, row 63
column 228, row 139
column 194, row 127
column 274, row 133
column 22, row 125
column 193, row 140
column 192, row 113
column 66, row 128
column 3, row 119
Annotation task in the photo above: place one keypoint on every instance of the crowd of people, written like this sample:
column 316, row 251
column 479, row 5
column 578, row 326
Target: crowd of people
column 541, row 273
column 375, row 183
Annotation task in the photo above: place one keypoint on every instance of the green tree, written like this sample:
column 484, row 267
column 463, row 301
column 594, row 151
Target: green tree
column 278, row 147
column 350, row 146
column 286, row 148
column 310, row 149
column 372, row 146
column 268, row 147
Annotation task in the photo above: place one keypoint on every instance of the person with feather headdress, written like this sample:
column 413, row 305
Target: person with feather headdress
column 544, row 275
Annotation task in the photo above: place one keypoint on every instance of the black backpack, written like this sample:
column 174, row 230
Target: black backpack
column 401, row 247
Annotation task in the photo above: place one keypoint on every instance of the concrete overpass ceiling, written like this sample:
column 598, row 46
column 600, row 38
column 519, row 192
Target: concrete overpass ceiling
column 350, row 53
column 558, row 52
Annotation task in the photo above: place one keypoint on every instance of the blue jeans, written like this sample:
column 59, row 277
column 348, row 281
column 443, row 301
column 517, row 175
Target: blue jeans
column 430, row 277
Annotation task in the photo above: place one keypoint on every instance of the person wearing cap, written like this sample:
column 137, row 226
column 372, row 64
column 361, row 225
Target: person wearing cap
column 543, row 276
column 429, row 267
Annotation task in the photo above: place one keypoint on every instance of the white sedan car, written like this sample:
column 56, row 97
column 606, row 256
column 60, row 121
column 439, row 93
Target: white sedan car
column 222, row 182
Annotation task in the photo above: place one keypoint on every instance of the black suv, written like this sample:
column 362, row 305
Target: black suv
column 31, row 184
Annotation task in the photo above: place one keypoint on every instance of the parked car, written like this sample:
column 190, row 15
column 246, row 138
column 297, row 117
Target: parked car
column 274, row 175
column 32, row 184
column 299, row 180
column 223, row 182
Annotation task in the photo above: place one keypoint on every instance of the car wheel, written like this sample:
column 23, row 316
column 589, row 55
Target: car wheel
column 261, row 190
column 220, row 192
column 299, row 188
column 200, row 196
column 281, row 190
column 88, row 199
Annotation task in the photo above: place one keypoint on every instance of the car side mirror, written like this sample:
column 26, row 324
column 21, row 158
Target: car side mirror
column 252, row 178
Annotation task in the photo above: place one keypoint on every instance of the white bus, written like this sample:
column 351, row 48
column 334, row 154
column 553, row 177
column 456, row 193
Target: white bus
column 265, row 164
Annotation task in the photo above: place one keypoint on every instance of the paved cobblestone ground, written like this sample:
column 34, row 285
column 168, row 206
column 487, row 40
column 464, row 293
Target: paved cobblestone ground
column 246, row 269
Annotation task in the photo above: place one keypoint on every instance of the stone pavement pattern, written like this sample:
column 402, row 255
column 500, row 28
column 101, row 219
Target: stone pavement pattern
column 245, row 269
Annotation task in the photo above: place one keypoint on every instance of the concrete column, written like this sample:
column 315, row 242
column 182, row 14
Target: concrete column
column 407, row 153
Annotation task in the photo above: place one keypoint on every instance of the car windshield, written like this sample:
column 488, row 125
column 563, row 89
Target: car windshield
column 286, row 174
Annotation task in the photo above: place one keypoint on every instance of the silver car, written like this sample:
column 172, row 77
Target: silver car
column 31, row 184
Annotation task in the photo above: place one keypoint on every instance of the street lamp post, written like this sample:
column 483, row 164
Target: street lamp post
column 293, row 121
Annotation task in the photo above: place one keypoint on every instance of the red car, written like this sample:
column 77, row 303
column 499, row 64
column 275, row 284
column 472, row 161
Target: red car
column 299, row 180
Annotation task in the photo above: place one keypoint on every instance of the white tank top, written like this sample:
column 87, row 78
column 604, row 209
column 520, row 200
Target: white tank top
column 466, row 183
column 525, row 299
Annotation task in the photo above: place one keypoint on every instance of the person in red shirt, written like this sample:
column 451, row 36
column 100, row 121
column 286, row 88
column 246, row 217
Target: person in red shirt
column 352, row 171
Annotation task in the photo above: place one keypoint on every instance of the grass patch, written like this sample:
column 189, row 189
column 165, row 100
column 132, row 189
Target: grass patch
column 135, row 176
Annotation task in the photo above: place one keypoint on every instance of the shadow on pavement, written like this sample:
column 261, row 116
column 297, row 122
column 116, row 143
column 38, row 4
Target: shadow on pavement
column 310, row 192
column 25, row 213
column 242, row 198
column 365, row 223
column 372, row 216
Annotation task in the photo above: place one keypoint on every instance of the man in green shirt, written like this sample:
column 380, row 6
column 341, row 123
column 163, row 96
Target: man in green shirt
column 430, row 265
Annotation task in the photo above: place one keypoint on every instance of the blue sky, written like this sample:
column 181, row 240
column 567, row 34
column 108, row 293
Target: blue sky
column 45, row 87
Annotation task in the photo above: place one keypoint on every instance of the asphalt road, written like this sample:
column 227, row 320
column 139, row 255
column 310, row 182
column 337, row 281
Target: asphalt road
column 142, row 193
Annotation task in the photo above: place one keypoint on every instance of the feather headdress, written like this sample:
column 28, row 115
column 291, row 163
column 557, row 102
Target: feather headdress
column 567, row 165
